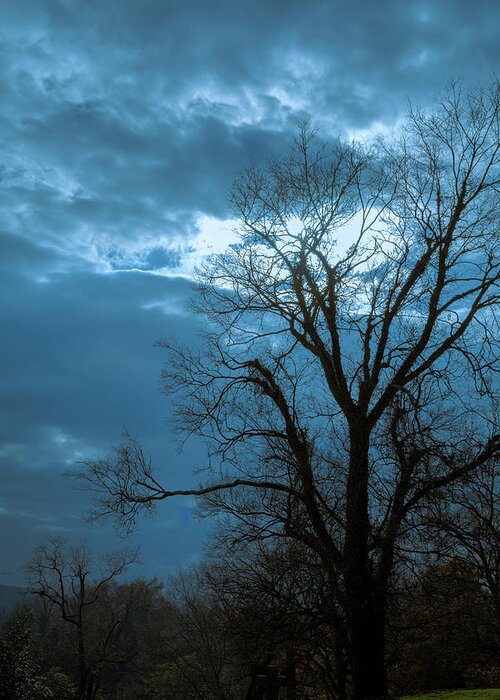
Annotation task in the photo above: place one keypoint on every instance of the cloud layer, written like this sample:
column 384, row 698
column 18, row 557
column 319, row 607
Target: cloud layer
column 122, row 127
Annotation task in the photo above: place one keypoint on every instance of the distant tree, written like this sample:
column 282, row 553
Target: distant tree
column 198, row 642
column 20, row 675
column 79, row 588
column 141, row 638
column 341, row 386
column 439, row 631
column 182, row 677
column 60, row 684
column 274, row 600
column 465, row 530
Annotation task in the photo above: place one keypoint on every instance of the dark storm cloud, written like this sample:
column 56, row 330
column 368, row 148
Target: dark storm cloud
column 122, row 124
column 119, row 116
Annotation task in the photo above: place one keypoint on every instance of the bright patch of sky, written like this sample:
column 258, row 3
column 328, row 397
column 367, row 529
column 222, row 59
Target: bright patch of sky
column 169, row 256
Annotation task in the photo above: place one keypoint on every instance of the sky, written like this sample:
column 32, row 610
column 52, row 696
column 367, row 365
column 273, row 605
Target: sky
column 122, row 126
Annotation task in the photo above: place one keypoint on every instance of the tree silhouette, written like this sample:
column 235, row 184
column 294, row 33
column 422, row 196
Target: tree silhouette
column 344, row 387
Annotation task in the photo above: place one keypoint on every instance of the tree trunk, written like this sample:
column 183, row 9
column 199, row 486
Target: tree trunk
column 365, row 609
column 89, row 690
column 82, row 694
column 341, row 673
column 368, row 652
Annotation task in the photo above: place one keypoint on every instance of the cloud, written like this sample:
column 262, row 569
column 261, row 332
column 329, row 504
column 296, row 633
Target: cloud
column 120, row 121
column 123, row 124
column 78, row 363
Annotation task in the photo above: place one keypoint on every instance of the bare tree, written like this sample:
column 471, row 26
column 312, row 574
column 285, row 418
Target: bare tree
column 275, row 602
column 197, row 641
column 75, row 584
column 438, row 630
column 465, row 529
column 344, row 386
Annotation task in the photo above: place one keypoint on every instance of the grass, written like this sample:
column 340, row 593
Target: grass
column 488, row 694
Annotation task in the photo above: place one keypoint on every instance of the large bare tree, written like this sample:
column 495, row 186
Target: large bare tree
column 345, row 379
column 77, row 586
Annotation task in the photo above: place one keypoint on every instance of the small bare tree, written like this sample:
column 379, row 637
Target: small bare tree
column 465, row 528
column 75, row 584
column 342, row 386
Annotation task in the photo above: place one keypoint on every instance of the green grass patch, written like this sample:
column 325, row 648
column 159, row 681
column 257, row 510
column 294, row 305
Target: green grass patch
column 488, row 694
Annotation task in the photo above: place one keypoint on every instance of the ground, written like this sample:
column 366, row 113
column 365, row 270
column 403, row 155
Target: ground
column 488, row 694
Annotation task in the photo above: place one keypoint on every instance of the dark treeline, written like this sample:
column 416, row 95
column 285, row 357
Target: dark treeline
column 85, row 633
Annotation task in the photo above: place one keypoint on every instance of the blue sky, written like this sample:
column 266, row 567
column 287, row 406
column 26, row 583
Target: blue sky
column 122, row 125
